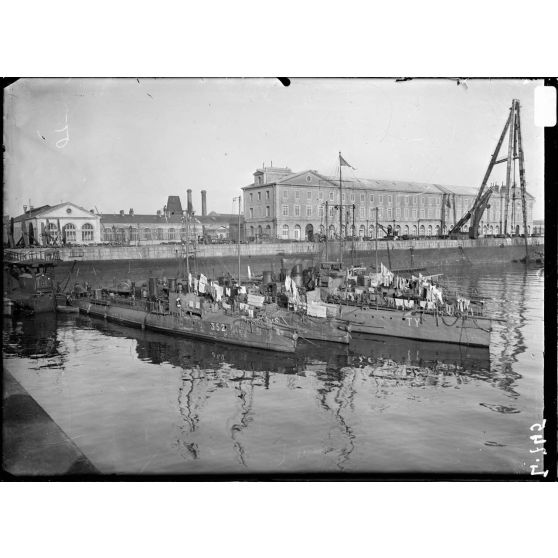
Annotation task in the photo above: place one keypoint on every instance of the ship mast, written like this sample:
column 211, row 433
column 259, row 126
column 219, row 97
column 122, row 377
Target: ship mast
column 340, row 211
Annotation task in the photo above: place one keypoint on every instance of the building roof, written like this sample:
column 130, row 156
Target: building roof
column 380, row 184
column 37, row 212
column 217, row 218
column 30, row 214
column 400, row 186
column 275, row 169
column 174, row 207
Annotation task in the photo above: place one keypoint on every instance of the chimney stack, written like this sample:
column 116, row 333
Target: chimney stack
column 204, row 202
column 190, row 206
column 121, row 213
column 24, row 209
column 131, row 211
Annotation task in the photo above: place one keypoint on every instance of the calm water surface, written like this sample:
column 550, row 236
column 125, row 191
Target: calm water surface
column 140, row 402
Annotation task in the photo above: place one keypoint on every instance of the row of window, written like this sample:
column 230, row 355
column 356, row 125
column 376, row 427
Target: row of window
column 373, row 198
column 259, row 196
column 252, row 213
column 360, row 231
column 121, row 234
column 413, row 230
column 69, row 231
column 383, row 213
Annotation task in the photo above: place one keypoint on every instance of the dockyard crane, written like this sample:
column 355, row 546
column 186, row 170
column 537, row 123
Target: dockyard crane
column 515, row 152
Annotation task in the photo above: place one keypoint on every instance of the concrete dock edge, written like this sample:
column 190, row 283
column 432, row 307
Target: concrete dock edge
column 33, row 445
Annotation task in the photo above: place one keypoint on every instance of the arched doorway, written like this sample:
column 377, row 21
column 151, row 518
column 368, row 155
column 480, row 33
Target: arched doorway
column 309, row 232
column 297, row 232
column 422, row 230
column 397, row 230
column 268, row 231
column 491, row 230
column 437, row 230
column 517, row 230
column 389, row 230
column 260, row 231
column 429, row 230
column 361, row 232
column 31, row 234
column 406, row 230
column 371, row 231
column 414, row 230
column 331, row 231
column 285, row 232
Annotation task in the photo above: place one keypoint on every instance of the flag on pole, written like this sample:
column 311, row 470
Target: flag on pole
column 344, row 163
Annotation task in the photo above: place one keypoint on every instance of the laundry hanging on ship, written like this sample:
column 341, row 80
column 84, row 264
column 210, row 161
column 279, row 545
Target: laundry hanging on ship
column 463, row 304
column 375, row 279
column 437, row 294
column 288, row 282
column 387, row 275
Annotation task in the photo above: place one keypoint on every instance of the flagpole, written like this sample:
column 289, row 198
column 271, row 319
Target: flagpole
column 340, row 212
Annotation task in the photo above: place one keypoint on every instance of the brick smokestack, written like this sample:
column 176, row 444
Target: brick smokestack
column 190, row 206
column 204, row 202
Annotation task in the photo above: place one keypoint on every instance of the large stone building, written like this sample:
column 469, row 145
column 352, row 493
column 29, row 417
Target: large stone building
column 286, row 205
column 65, row 223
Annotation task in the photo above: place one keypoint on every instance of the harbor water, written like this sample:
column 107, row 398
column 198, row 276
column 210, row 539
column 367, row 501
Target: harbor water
column 138, row 402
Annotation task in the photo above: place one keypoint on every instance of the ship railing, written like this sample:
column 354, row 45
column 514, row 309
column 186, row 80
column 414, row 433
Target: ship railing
column 381, row 303
column 22, row 256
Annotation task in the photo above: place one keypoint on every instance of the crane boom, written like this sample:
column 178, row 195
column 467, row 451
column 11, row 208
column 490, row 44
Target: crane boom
column 474, row 211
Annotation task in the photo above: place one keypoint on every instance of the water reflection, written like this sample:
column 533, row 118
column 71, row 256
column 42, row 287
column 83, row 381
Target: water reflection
column 35, row 338
column 370, row 364
column 325, row 407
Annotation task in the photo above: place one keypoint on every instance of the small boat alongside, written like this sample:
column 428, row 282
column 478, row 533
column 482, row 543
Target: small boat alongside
column 29, row 281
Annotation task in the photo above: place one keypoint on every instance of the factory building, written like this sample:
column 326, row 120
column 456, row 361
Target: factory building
column 280, row 204
column 171, row 224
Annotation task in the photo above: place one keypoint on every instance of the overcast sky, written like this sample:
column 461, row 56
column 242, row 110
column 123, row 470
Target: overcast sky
column 119, row 143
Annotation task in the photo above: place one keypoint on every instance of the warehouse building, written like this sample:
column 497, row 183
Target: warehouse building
column 280, row 204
